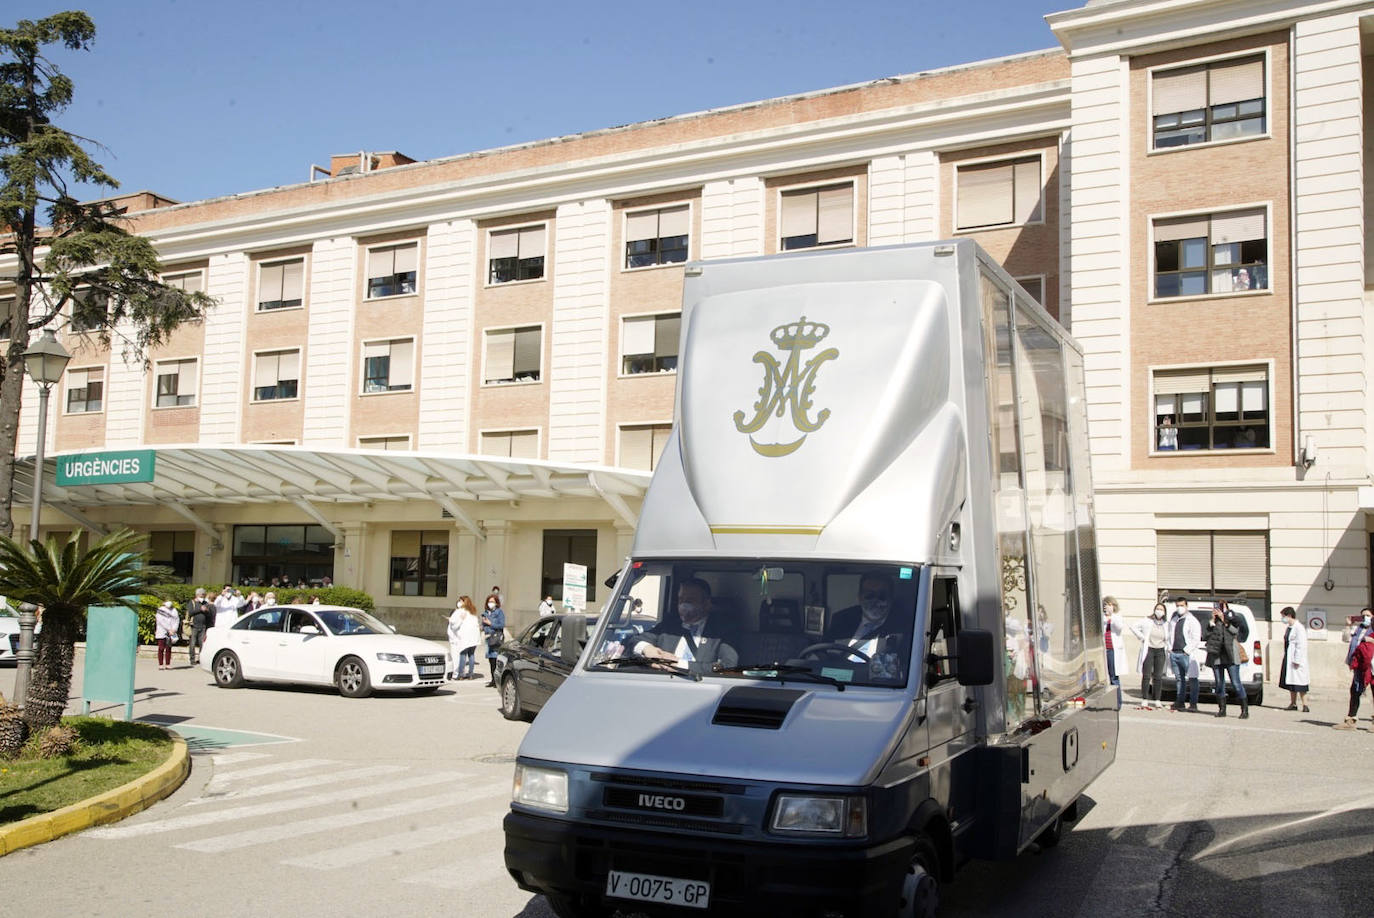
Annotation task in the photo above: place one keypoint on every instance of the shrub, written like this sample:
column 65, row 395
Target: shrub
column 329, row 596
column 57, row 741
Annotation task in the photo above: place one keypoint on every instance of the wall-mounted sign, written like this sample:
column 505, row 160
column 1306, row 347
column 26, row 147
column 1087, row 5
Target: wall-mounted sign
column 125, row 467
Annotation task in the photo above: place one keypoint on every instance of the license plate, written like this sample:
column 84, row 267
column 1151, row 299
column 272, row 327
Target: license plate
column 432, row 670
column 648, row 888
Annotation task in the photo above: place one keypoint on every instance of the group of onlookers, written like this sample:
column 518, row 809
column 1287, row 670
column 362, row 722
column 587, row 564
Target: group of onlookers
column 469, row 629
column 1360, row 658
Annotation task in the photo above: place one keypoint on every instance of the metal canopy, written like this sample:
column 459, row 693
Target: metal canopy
column 188, row 476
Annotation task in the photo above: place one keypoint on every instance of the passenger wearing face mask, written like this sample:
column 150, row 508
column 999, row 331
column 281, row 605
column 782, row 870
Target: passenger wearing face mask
column 696, row 641
column 494, row 631
column 1360, row 659
column 1153, row 660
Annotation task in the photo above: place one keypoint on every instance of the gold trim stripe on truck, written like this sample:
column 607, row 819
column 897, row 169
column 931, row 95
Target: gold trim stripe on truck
column 767, row 530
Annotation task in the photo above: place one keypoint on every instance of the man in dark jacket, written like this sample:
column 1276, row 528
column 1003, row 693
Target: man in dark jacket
column 202, row 615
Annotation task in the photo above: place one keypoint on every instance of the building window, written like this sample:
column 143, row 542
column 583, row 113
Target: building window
column 85, row 390
column 1204, row 564
column 188, row 281
column 1210, row 254
column 6, row 308
column 90, row 309
column 176, row 382
column 657, row 237
column 1211, row 409
column 282, row 555
column 516, row 254
column 1035, row 286
column 276, row 375
column 648, row 344
column 419, row 563
column 641, row 445
column 817, row 216
column 281, row 284
column 393, row 443
column 391, row 270
column 512, row 444
column 1207, row 102
column 175, row 549
column 512, row 355
column 1005, row 193
column 388, row 366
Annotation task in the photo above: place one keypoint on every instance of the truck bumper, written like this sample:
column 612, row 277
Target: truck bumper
column 569, row 859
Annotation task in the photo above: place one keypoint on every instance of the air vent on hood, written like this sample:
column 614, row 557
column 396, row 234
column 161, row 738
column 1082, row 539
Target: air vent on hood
column 763, row 708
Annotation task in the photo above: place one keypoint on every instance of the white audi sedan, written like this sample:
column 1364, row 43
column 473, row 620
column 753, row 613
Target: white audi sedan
column 322, row 645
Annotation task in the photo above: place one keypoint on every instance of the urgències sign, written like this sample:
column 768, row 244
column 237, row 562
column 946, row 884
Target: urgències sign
column 105, row 468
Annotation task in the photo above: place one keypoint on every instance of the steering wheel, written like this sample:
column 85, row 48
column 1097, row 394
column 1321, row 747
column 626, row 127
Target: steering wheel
column 834, row 647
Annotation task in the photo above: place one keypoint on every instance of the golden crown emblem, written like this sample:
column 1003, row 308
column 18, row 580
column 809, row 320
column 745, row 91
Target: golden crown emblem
column 800, row 334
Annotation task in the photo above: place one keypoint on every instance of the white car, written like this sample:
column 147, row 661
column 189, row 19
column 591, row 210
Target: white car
column 1251, row 673
column 9, row 635
column 322, row 645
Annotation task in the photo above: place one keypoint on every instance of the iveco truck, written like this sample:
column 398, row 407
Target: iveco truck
column 858, row 640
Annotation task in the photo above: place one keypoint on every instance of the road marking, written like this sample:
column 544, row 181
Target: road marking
column 1125, row 823
column 221, row 759
column 229, row 777
column 1209, row 725
column 294, row 784
column 1172, row 818
column 174, row 823
column 250, row 837
column 459, row 875
column 374, row 849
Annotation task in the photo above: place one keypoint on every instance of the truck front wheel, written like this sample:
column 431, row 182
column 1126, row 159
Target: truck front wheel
column 921, row 885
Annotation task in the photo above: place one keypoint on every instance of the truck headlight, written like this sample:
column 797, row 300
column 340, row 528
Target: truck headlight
column 544, row 788
column 392, row 657
column 839, row 816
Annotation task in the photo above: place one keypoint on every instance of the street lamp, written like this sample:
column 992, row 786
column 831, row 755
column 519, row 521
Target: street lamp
column 45, row 362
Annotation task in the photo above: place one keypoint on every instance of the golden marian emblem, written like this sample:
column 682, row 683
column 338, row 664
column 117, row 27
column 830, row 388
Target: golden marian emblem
column 791, row 384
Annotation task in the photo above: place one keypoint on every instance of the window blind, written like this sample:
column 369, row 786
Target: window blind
column 524, row 444
column 666, row 332
column 636, row 448
column 835, row 214
column 986, row 194
column 500, row 355
column 1240, row 561
column 675, row 221
column 637, row 336
column 643, row 225
column 402, row 361
column 1184, row 560
column 1182, row 90
column 1028, row 190
column 798, row 213
column 293, row 279
column 1175, row 228
column 1177, row 382
column 1236, row 81
column 1237, row 226
column 525, row 359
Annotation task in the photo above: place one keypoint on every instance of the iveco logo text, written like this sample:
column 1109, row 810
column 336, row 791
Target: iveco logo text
column 660, row 802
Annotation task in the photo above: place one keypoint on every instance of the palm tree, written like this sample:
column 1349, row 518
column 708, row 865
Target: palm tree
column 64, row 580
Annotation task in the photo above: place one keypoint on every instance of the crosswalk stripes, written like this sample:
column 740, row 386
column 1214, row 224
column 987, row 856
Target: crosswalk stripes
column 255, row 803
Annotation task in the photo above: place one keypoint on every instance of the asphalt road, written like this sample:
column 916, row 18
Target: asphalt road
column 393, row 805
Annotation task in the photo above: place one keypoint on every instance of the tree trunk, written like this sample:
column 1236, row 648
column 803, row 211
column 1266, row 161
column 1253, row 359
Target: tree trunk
column 13, row 730
column 11, row 392
column 50, row 681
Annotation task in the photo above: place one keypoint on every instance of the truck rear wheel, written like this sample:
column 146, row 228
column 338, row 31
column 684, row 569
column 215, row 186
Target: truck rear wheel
column 921, row 885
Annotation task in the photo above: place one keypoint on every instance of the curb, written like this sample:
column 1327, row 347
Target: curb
column 110, row 806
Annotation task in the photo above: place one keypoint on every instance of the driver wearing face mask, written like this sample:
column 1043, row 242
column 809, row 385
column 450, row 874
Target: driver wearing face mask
column 696, row 641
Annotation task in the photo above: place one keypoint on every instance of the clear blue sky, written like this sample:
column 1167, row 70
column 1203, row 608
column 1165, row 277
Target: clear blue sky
column 195, row 99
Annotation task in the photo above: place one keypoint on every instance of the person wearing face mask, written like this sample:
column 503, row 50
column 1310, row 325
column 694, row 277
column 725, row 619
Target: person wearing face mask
column 1223, row 656
column 1360, row 659
column 1184, row 641
column 1153, row 634
column 494, row 630
column 1293, row 673
column 696, row 641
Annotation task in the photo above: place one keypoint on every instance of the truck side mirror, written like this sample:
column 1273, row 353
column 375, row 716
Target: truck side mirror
column 574, row 638
column 976, row 658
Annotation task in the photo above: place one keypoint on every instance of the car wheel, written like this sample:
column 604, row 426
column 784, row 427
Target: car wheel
column 352, row 679
column 921, row 885
column 1256, row 699
column 227, row 671
column 511, row 708
column 1051, row 834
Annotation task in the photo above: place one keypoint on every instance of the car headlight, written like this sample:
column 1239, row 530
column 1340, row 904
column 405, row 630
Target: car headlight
column 544, row 788
column 392, row 658
column 840, row 816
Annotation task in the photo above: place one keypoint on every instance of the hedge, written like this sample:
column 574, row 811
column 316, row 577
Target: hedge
column 181, row 595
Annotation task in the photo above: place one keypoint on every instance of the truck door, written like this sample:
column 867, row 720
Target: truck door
column 950, row 711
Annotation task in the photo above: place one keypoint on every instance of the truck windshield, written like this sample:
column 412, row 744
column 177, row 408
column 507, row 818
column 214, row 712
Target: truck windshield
column 824, row 622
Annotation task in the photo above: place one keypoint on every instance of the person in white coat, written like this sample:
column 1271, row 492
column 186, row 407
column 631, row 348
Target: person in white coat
column 1113, row 631
column 1295, row 676
column 1153, row 659
column 464, row 634
column 1184, row 644
column 168, row 624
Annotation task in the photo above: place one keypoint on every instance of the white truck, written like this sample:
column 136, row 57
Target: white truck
column 868, row 551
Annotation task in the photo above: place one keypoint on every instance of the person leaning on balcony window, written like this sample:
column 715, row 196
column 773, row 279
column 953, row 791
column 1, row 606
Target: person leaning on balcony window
column 1168, row 433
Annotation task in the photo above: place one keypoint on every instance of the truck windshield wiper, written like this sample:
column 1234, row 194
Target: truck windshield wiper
column 638, row 659
column 778, row 671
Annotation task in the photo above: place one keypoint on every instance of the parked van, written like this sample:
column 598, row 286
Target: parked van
column 868, row 557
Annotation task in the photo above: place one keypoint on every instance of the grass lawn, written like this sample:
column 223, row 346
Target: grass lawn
column 108, row 753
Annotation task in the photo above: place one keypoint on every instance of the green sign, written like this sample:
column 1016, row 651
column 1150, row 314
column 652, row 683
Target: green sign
column 105, row 468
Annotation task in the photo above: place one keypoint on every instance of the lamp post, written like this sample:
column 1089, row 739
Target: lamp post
column 45, row 363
